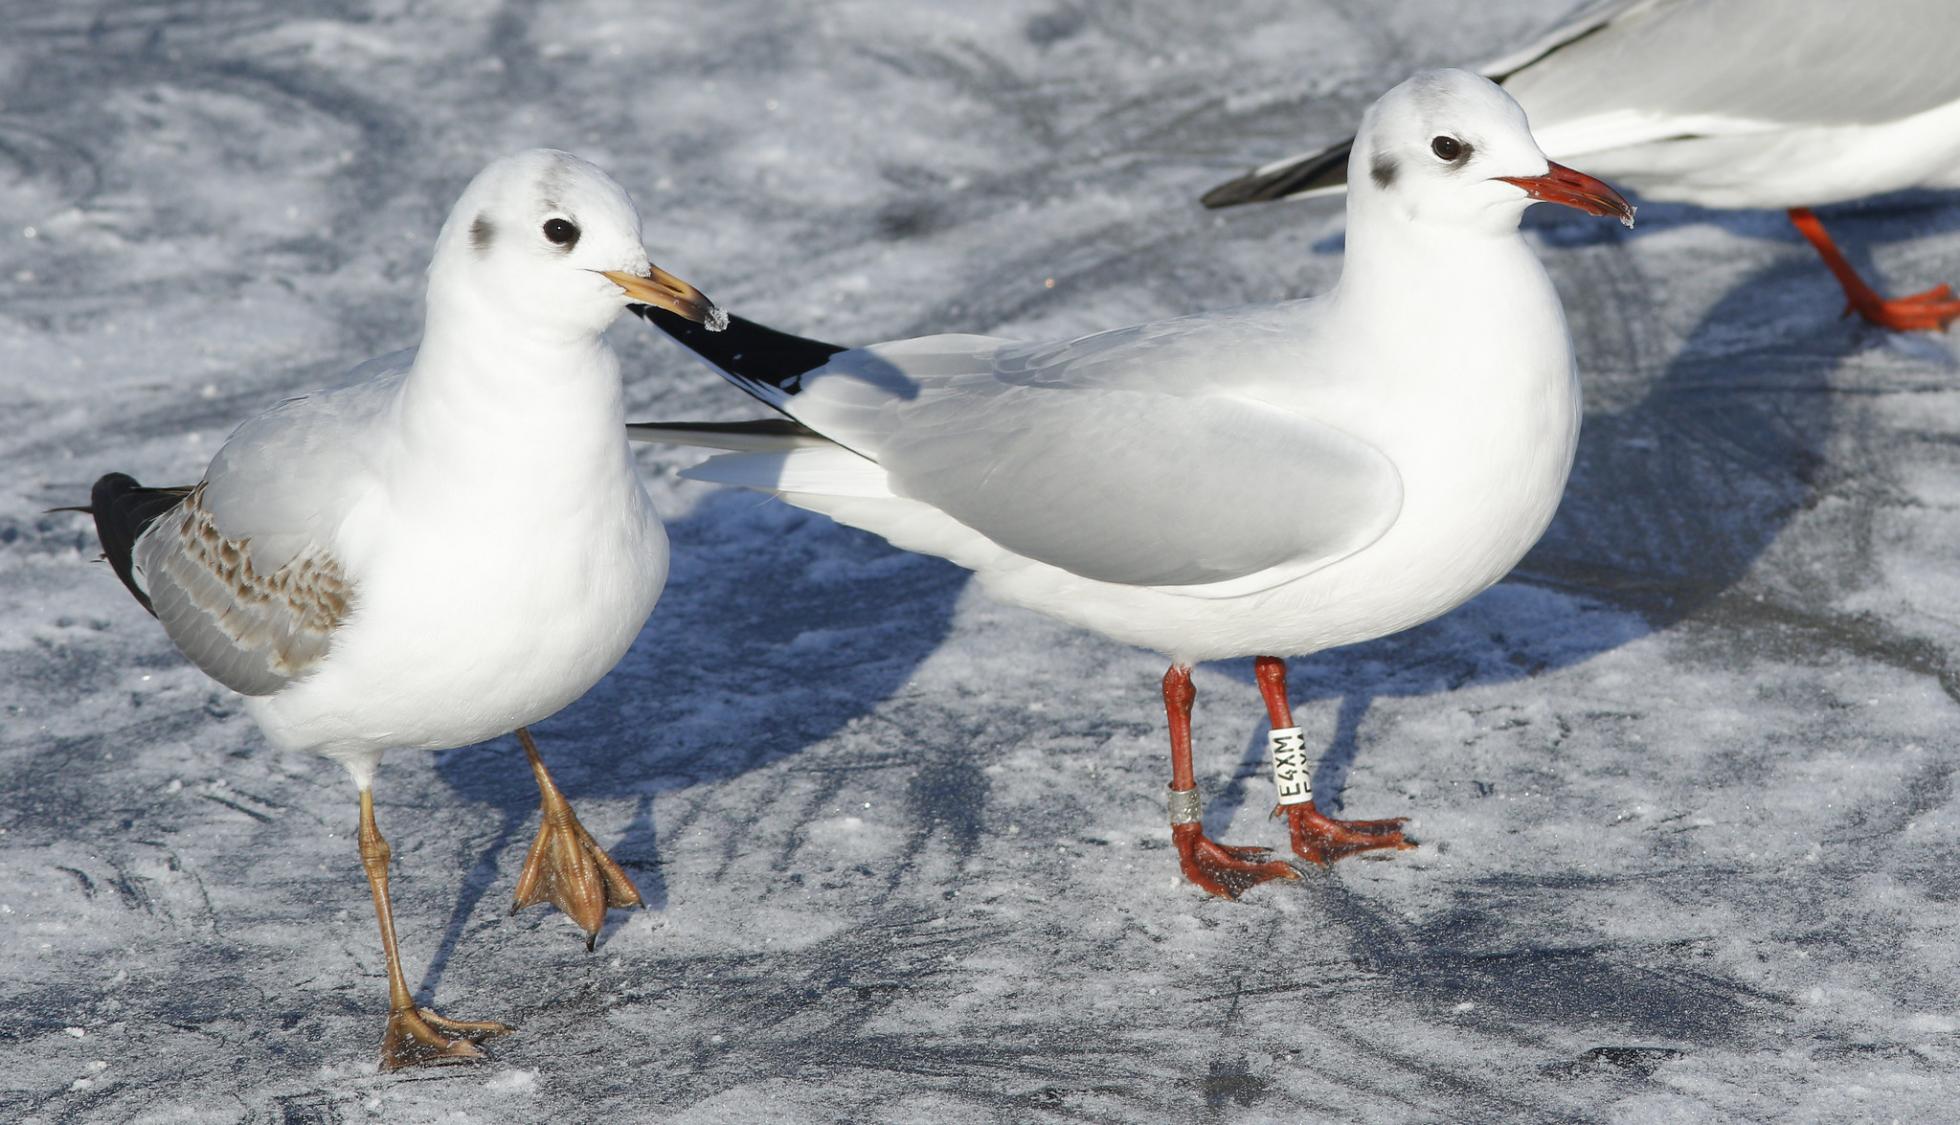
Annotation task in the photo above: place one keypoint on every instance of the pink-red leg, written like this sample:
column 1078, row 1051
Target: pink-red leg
column 1929, row 311
column 1317, row 836
column 1222, row 869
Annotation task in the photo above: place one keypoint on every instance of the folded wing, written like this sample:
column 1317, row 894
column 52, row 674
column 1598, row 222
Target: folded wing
column 1107, row 484
column 242, row 573
column 1084, row 456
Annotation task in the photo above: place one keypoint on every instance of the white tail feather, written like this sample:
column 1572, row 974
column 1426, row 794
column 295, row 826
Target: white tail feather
column 819, row 470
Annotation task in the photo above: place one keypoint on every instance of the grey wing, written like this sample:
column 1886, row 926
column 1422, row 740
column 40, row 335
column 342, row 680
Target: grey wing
column 252, row 632
column 1164, row 355
column 242, row 574
column 1097, row 455
column 1324, row 171
column 281, row 482
column 1143, row 488
column 1654, row 69
column 847, row 400
column 1577, row 24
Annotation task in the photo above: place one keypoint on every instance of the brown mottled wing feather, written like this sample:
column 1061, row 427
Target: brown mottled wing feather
column 252, row 632
column 242, row 572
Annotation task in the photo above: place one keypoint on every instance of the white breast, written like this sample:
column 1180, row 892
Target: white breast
column 495, row 581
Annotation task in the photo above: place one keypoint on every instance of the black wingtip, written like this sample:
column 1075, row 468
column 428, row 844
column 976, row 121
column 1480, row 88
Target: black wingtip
column 1322, row 170
column 123, row 511
column 768, row 364
column 755, row 433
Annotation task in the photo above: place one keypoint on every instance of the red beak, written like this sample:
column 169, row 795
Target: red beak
column 1560, row 184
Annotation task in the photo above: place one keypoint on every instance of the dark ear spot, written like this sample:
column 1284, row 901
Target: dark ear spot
column 1383, row 171
column 481, row 232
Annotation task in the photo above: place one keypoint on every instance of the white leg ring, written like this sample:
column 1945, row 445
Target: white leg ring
column 1291, row 774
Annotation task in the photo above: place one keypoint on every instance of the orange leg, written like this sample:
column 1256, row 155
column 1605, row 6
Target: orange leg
column 566, row 867
column 1316, row 836
column 1222, row 869
column 1929, row 311
column 415, row 1036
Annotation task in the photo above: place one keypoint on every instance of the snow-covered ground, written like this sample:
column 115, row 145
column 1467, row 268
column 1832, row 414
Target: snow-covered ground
column 1685, row 784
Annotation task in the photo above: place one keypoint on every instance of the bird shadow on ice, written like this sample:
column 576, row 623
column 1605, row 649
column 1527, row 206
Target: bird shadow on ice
column 1681, row 483
column 777, row 628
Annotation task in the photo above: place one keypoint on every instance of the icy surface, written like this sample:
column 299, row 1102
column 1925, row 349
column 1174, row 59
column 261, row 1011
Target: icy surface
column 1685, row 785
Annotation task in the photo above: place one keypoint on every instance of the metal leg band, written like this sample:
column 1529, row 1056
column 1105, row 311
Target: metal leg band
column 1184, row 806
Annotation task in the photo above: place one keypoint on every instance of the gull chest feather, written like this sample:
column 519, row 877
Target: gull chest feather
column 498, row 576
column 1479, row 412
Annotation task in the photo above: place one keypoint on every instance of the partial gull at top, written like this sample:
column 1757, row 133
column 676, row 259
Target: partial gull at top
column 1256, row 482
column 454, row 546
column 1731, row 104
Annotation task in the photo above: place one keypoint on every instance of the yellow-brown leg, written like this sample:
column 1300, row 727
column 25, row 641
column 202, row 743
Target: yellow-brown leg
column 415, row 1036
column 566, row 867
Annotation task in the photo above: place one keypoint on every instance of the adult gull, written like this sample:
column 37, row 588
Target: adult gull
column 1260, row 482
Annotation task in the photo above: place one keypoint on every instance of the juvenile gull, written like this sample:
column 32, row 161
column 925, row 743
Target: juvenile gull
column 452, row 547
column 1258, row 482
column 1738, row 104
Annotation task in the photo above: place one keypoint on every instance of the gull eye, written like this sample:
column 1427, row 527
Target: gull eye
column 1448, row 148
column 561, row 232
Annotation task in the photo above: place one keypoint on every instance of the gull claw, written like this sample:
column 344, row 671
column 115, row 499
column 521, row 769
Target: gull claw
column 1225, row 870
column 1319, row 838
column 421, row 1037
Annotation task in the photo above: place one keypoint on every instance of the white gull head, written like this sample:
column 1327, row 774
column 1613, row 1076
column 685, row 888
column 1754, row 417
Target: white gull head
column 545, row 243
column 1449, row 148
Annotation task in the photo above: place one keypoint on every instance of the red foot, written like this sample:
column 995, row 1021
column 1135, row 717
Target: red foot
column 1930, row 311
column 1321, row 839
column 1222, row 869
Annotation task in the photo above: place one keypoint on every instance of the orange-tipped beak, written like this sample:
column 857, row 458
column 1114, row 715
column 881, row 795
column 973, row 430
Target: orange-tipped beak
column 664, row 290
column 1560, row 184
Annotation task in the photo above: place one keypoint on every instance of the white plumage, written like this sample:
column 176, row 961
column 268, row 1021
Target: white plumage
column 1257, row 482
column 475, row 496
column 451, row 547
